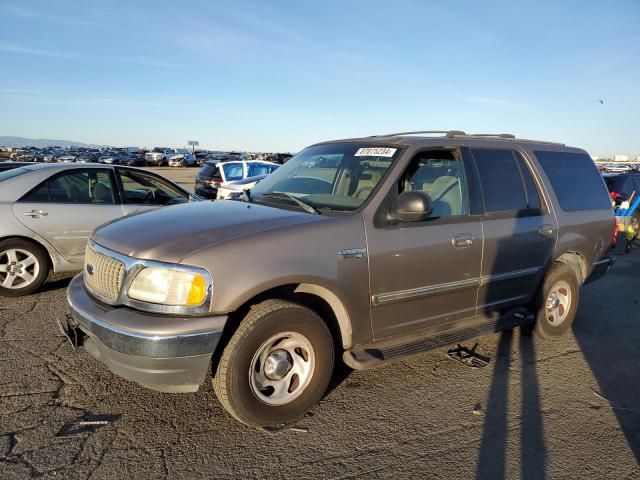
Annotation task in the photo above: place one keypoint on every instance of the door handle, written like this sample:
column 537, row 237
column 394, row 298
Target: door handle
column 464, row 240
column 36, row 213
column 546, row 230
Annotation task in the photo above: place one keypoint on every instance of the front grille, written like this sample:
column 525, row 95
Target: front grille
column 103, row 275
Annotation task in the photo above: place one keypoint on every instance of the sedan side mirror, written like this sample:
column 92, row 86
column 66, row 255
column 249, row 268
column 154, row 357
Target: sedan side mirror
column 412, row 207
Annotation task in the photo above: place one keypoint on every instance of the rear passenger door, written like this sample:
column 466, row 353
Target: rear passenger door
column 519, row 230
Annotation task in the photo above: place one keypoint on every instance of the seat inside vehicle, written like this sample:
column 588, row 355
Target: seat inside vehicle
column 439, row 174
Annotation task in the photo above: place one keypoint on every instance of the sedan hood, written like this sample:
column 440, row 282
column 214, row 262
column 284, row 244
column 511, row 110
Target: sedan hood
column 169, row 234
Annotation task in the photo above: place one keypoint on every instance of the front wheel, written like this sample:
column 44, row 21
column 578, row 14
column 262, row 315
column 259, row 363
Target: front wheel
column 276, row 366
column 557, row 302
column 23, row 267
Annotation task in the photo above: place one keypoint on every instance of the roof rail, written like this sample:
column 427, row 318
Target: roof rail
column 460, row 133
column 447, row 133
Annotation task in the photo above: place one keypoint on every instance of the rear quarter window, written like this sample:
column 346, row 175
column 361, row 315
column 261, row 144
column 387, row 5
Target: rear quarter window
column 575, row 180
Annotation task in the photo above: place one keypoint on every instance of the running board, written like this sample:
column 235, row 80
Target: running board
column 388, row 350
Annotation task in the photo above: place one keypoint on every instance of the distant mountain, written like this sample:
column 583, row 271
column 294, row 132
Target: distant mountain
column 41, row 142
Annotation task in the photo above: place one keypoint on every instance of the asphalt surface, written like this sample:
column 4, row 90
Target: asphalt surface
column 569, row 408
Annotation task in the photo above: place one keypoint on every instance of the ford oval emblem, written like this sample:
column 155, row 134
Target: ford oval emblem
column 90, row 269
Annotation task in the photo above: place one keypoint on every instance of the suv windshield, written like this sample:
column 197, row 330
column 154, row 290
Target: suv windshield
column 338, row 176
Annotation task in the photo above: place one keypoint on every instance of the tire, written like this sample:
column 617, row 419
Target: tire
column 16, row 277
column 241, row 381
column 557, row 302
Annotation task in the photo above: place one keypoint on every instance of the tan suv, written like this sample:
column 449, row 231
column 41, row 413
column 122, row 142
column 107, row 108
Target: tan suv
column 363, row 251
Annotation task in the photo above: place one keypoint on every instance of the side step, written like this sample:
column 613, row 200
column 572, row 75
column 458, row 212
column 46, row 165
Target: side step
column 397, row 348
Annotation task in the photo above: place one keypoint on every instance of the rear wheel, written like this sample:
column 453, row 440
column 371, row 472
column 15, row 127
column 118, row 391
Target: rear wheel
column 276, row 366
column 24, row 267
column 557, row 302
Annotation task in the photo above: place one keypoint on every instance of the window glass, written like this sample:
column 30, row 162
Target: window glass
column 209, row 170
column 336, row 176
column 40, row 194
column 443, row 179
column 533, row 197
column 145, row 189
column 575, row 180
column 87, row 186
column 255, row 169
column 502, row 186
column 233, row 171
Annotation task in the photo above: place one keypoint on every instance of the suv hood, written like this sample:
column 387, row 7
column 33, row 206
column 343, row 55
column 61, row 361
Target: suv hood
column 168, row 234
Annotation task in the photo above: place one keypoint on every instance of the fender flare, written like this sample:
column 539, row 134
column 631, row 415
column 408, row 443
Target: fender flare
column 344, row 322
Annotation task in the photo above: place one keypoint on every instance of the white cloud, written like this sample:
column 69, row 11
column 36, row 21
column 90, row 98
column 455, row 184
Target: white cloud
column 12, row 48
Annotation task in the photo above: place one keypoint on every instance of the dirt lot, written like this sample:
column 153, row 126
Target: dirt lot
column 182, row 176
column 563, row 409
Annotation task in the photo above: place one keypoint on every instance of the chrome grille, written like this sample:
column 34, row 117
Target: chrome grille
column 103, row 275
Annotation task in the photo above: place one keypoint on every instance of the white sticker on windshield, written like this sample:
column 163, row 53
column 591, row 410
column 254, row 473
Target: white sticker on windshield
column 375, row 152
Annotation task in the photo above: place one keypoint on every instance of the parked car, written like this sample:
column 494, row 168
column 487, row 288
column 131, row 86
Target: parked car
column 214, row 175
column 48, row 212
column 408, row 244
column 66, row 158
column 625, row 187
column 87, row 157
column 183, row 158
column 622, row 185
column 235, row 190
column 159, row 156
column 134, row 160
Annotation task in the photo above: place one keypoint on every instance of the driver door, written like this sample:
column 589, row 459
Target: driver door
column 427, row 273
column 143, row 191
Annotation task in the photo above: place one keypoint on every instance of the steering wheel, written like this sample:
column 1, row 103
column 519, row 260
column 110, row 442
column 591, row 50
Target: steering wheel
column 150, row 196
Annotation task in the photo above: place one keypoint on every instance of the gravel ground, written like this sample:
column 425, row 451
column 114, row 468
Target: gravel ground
column 563, row 409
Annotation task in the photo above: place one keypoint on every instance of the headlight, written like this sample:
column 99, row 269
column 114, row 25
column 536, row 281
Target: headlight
column 168, row 286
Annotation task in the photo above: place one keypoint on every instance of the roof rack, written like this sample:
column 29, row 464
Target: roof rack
column 460, row 133
column 447, row 133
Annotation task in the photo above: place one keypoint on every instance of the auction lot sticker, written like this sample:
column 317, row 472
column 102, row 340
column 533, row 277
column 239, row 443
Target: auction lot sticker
column 375, row 152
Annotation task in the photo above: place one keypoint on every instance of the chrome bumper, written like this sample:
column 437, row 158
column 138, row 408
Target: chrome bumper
column 170, row 354
column 142, row 334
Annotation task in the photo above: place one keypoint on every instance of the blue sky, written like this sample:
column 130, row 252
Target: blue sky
column 280, row 75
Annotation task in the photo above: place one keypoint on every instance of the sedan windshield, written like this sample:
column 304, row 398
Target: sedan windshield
column 338, row 176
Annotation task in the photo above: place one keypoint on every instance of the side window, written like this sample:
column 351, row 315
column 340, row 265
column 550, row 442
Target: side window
column 575, row 180
column 442, row 177
column 143, row 189
column 40, row 194
column 233, row 171
column 533, row 196
column 502, row 185
column 80, row 187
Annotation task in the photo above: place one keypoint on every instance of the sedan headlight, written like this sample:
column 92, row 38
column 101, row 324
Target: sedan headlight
column 167, row 286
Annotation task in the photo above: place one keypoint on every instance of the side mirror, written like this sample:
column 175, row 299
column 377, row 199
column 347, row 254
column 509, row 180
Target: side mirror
column 412, row 207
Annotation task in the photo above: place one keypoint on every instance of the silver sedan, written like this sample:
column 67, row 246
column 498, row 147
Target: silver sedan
column 48, row 212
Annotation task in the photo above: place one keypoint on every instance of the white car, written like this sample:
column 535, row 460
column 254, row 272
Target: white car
column 214, row 175
column 182, row 158
column 235, row 190
column 159, row 156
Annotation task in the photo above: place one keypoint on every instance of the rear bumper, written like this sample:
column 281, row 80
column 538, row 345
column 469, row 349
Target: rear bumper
column 600, row 268
column 156, row 351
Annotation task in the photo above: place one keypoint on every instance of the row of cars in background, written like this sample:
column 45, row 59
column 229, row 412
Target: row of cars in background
column 132, row 156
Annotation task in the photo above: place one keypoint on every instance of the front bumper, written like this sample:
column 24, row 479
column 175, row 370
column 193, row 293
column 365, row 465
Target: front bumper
column 164, row 353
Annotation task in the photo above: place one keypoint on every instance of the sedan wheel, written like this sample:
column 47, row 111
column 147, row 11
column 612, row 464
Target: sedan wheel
column 23, row 267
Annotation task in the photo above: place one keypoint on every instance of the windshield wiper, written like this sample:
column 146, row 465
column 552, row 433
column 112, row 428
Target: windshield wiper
column 305, row 206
